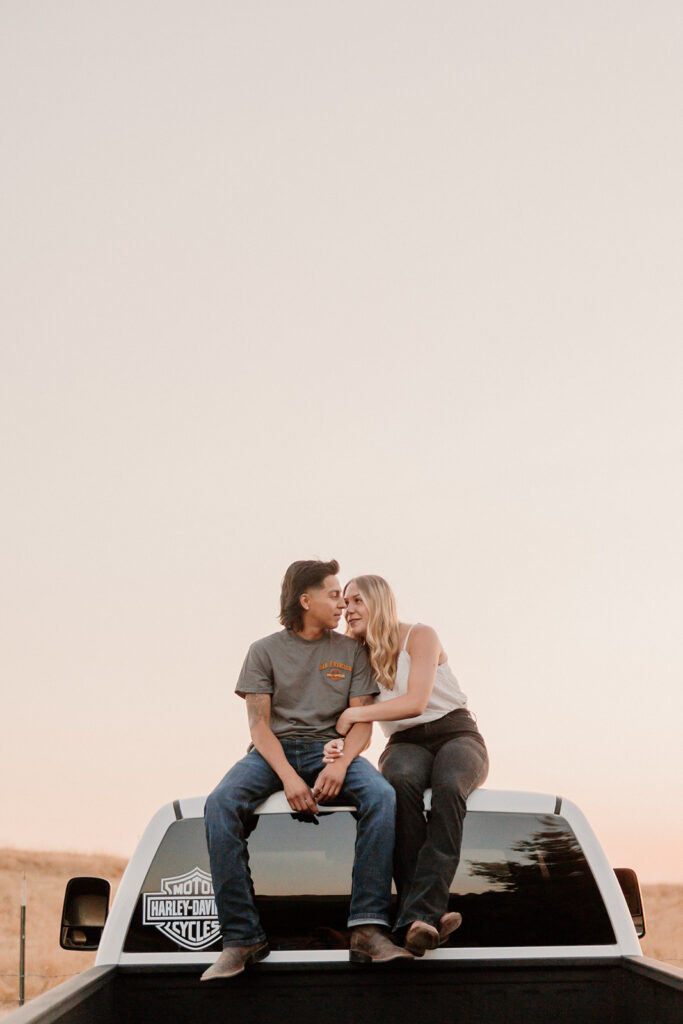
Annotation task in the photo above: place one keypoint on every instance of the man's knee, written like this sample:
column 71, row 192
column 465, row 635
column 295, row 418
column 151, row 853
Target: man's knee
column 385, row 790
column 227, row 798
column 372, row 792
column 380, row 799
column 219, row 802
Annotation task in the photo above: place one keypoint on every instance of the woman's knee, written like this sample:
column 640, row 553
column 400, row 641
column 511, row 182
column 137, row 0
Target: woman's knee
column 406, row 775
column 401, row 778
column 456, row 787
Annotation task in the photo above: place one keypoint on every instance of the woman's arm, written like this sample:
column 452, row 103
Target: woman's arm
column 425, row 649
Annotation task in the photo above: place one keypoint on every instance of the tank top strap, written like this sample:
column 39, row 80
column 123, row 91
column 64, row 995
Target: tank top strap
column 405, row 642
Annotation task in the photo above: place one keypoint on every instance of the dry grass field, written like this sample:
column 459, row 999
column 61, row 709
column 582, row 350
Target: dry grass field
column 47, row 964
column 46, row 876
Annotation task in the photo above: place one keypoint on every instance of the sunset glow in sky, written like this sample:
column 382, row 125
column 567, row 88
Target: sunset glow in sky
column 396, row 284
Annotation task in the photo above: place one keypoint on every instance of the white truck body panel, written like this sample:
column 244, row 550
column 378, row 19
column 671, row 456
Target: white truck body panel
column 499, row 801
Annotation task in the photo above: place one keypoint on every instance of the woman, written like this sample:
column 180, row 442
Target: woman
column 433, row 741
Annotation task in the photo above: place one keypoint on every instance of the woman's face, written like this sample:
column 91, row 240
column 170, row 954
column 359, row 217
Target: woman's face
column 356, row 611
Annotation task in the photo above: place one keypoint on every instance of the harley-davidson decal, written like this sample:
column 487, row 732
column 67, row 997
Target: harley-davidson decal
column 184, row 910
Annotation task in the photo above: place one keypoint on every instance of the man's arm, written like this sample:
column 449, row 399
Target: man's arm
column 299, row 796
column 361, row 733
column 331, row 779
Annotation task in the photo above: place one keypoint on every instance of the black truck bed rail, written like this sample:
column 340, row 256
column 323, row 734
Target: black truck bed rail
column 606, row 990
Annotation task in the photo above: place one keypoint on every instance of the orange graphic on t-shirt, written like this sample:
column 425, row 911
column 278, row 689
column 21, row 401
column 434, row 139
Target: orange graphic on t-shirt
column 335, row 675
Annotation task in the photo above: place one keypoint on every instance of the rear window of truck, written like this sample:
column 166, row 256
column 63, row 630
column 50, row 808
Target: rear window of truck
column 522, row 881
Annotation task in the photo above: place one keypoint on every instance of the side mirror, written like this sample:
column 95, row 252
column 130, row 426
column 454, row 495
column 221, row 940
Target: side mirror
column 628, row 880
column 86, row 905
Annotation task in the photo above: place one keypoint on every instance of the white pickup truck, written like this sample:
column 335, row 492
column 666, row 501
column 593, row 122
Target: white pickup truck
column 549, row 933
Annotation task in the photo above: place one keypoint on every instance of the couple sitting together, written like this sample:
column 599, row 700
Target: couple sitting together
column 305, row 687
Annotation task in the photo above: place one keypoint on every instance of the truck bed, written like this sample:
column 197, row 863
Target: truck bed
column 618, row 990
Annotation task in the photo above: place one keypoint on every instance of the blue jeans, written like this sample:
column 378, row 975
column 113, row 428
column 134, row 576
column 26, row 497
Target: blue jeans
column 227, row 815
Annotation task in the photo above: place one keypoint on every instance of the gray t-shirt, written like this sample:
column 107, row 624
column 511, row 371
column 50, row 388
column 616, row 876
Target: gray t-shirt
column 310, row 681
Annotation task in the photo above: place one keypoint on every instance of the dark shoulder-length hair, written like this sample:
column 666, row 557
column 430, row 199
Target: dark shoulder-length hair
column 300, row 577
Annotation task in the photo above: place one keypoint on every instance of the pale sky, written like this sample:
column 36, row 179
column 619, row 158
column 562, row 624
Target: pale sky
column 394, row 283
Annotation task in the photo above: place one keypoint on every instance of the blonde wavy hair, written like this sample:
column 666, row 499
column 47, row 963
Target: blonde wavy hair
column 381, row 636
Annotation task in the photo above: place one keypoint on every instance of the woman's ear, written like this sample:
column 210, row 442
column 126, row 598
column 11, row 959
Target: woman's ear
column 304, row 602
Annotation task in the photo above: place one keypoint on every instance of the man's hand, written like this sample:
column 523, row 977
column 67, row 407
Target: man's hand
column 329, row 782
column 299, row 796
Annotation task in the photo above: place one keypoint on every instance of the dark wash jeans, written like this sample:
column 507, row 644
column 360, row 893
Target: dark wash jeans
column 449, row 755
column 229, row 820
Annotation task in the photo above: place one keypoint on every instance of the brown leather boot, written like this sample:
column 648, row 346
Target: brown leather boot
column 421, row 936
column 448, row 924
column 233, row 960
column 371, row 944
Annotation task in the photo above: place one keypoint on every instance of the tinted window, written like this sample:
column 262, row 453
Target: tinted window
column 522, row 880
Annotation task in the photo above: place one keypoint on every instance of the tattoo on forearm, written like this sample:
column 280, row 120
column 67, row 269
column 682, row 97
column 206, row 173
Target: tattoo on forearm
column 258, row 708
column 364, row 701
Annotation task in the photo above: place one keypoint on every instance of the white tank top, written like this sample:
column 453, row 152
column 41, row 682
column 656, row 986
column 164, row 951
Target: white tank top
column 446, row 694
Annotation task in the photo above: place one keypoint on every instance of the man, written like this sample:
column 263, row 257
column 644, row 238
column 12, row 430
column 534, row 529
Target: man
column 296, row 683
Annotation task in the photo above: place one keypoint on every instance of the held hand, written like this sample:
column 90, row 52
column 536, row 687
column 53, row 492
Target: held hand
column 298, row 794
column 332, row 750
column 329, row 782
column 345, row 721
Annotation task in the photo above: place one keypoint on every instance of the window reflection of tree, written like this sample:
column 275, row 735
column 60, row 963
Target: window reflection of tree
column 551, row 852
column 543, row 893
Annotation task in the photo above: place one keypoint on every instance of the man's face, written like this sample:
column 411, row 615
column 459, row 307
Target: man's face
column 324, row 604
